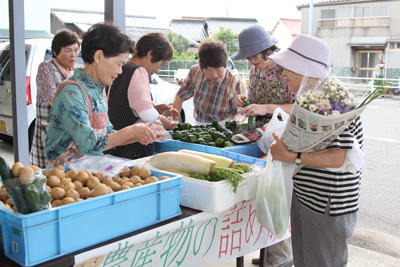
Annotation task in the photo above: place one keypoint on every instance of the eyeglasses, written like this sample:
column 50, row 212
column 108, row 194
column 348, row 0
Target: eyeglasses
column 253, row 57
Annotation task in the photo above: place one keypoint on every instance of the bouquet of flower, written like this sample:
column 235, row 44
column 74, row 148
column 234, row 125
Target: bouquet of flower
column 323, row 109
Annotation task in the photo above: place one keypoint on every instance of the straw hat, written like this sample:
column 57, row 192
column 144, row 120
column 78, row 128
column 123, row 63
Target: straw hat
column 306, row 55
column 253, row 40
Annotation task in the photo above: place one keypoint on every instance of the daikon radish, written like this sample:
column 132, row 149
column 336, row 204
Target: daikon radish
column 220, row 160
column 184, row 162
column 187, row 174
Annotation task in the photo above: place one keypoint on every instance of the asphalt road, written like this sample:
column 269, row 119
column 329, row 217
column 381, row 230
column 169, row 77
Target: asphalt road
column 378, row 226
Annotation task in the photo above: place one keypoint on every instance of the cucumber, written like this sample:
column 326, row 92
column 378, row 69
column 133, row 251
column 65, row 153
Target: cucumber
column 5, row 170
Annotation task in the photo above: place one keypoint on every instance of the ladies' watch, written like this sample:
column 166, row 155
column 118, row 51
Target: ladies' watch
column 298, row 159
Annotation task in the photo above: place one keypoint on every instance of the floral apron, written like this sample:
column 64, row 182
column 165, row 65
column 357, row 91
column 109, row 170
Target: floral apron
column 98, row 121
column 265, row 91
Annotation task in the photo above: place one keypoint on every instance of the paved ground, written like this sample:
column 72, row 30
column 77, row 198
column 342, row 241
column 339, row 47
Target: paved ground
column 376, row 241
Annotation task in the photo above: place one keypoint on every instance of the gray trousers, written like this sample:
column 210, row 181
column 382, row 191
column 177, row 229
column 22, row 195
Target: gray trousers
column 320, row 240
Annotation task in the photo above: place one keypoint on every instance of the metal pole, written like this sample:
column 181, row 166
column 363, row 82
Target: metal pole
column 18, row 81
column 310, row 29
column 114, row 10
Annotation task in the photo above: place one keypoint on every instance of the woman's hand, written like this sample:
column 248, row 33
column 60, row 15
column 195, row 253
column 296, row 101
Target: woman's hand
column 279, row 151
column 142, row 133
column 239, row 101
column 162, row 107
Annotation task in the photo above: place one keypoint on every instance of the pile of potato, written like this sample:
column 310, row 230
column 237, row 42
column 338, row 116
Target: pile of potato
column 71, row 186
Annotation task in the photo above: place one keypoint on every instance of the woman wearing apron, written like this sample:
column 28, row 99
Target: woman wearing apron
column 79, row 124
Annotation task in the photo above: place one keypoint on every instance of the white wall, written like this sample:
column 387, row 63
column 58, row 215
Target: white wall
column 37, row 14
column 283, row 35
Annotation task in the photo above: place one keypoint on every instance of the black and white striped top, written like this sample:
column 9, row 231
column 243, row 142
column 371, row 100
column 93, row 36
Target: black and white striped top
column 315, row 186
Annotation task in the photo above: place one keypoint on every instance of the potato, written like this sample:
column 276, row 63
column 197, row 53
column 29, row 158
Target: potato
column 101, row 176
column 56, row 203
column 72, row 193
column 78, row 185
column 92, row 182
column 9, row 202
column 67, row 200
column 100, row 190
column 53, row 181
column 57, row 193
column 117, row 179
column 14, row 208
column 129, row 184
column 65, row 180
column 59, row 173
column 123, row 180
column 108, row 180
column 3, row 194
column 115, row 186
column 144, row 173
column 35, row 168
column 151, row 179
column 135, row 179
column 110, row 189
column 8, row 206
column 125, row 172
column 82, row 177
column 71, row 174
column 1, row 203
column 137, row 184
column 49, row 189
column 26, row 175
column 135, row 170
column 124, row 187
column 91, row 193
column 78, row 199
column 84, row 192
column 47, row 173
column 67, row 185
column 61, row 167
column 89, row 173
column 164, row 178
column 15, row 168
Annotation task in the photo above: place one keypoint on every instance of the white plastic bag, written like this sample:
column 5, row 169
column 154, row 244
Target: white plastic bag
column 274, row 196
column 274, row 126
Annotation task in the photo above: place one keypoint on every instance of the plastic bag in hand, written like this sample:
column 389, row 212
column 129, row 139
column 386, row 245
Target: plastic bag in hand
column 274, row 126
column 161, row 133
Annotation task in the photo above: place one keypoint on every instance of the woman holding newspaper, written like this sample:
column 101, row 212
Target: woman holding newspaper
column 326, row 190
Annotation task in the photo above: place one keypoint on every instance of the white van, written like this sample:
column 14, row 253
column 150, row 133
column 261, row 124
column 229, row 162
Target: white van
column 36, row 51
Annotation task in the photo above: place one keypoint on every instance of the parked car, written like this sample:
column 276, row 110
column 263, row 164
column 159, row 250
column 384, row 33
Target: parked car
column 36, row 51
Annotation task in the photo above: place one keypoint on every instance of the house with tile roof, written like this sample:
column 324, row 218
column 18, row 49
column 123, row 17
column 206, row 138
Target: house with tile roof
column 364, row 35
column 198, row 28
column 80, row 21
column 285, row 30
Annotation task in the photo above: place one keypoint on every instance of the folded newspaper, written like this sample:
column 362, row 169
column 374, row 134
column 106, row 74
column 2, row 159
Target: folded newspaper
column 249, row 136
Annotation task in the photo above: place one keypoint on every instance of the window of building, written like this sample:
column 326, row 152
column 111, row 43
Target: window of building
column 328, row 14
column 367, row 63
column 343, row 13
column 394, row 46
column 365, row 12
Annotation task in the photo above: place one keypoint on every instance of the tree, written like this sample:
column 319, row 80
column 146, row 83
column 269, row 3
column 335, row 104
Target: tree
column 181, row 45
column 228, row 37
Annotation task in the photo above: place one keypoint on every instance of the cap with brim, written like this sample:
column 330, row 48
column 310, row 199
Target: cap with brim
column 306, row 55
column 252, row 41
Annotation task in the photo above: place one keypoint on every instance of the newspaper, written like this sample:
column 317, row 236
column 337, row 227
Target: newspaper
column 249, row 136
column 307, row 131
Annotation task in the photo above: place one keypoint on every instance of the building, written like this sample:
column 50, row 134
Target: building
column 285, row 30
column 198, row 28
column 80, row 21
column 364, row 35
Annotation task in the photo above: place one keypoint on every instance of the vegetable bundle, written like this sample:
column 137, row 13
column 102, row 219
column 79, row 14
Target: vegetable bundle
column 202, row 166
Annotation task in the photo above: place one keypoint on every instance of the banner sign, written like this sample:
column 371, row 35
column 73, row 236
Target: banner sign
column 196, row 240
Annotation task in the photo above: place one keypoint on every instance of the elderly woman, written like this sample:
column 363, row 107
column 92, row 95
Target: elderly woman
column 129, row 97
column 268, row 88
column 51, row 74
column 79, row 124
column 212, row 85
column 324, row 203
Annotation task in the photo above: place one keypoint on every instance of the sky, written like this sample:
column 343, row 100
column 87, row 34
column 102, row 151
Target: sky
column 267, row 12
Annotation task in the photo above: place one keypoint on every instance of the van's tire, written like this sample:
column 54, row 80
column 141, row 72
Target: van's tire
column 6, row 138
column 31, row 132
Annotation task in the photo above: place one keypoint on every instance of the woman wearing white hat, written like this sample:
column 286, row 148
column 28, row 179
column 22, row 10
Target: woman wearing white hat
column 268, row 88
column 324, row 203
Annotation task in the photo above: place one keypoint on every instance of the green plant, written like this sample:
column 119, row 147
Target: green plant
column 228, row 37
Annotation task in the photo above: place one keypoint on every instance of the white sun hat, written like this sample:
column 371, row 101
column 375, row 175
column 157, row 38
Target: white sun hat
column 306, row 55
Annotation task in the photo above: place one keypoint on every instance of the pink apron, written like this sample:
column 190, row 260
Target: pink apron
column 98, row 121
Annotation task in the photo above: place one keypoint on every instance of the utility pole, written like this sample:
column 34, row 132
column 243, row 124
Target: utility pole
column 310, row 23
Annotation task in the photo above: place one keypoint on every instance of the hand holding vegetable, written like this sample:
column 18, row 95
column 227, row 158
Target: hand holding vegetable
column 239, row 100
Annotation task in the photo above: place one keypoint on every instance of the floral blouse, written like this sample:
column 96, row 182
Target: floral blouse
column 69, row 119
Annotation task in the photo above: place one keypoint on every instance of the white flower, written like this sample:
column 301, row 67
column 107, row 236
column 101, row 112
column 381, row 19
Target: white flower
column 333, row 88
column 325, row 113
column 327, row 95
column 342, row 94
column 347, row 101
column 335, row 113
column 350, row 95
column 312, row 107
column 305, row 106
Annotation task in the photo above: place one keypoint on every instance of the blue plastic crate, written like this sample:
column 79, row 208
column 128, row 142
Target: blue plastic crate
column 174, row 145
column 41, row 236
column 248, row 154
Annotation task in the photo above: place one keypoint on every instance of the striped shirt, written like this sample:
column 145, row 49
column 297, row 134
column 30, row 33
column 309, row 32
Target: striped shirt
column 315, row 187
column 211, row 100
